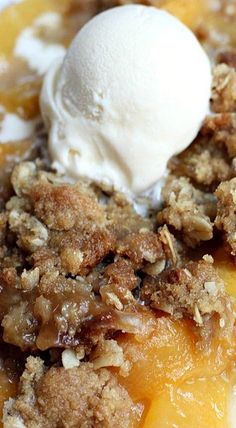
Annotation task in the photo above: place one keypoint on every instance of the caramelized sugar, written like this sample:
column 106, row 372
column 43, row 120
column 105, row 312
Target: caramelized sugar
column 10, row 370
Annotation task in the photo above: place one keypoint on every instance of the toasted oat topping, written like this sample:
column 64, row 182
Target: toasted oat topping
column 224, row 89
column 195, row 291
column 226, row 212
column 188, row 210
column 76, row 397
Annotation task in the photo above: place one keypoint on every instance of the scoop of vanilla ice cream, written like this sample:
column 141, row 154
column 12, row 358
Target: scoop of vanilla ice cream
column 132, row 91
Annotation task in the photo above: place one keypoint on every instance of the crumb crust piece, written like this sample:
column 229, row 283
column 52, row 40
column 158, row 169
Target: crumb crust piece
column 77, row 397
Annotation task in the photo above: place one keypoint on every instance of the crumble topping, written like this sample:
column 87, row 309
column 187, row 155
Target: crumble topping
column 226, row 211
column 76, row 268
column 194, row 291
column 81, row 259
column 211, row 158
column 206, row 163
column 47, row 397
column 224, row 89
column 188, row 210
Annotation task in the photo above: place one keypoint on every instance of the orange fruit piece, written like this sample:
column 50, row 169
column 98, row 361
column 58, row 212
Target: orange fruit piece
column 16, row 18
column 20, row 86
column 190, row 12
column 169, row 356
column 195, row 403
column 172, row 378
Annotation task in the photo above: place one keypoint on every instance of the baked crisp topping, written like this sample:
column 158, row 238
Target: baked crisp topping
column 47, row 397
column 79, row 267
column 195, row 291
column 224, row 89
column 225, row 220
column 188, row 210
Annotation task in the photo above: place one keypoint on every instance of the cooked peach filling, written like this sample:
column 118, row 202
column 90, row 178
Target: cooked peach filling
column 188, row 11
column 174, row 380
column 20, row 86
column 176, row 384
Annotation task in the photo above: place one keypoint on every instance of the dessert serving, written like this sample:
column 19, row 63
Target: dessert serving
column 118, row 214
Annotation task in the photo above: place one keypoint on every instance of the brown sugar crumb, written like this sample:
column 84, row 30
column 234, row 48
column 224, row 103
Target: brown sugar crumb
column 118, row 281
column 188, row 210
column 81, row 249
column 210, row 159
column 224, row 89
column 76, row 397
column 69, row 272
column 195, row 291
column 221, row 128
column 226, row 212
column 63, row 207
column 122, row 218
column 141, row 247
column 74, row 260
column 206, row 162
column 65, row 218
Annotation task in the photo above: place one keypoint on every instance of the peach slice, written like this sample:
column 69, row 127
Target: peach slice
column 14, row 150
column 19, row 86
column 19, row 90
column 16, row 18
column 190, row 12
column 170, row 356
column 195, row 403
column 173, row 379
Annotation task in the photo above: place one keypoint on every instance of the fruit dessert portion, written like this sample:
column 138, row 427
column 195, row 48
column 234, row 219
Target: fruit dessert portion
column 115, row 312
column 82, row 292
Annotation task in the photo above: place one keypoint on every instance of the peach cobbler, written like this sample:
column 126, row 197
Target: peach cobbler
column 117, row 307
